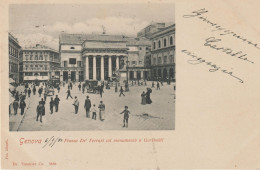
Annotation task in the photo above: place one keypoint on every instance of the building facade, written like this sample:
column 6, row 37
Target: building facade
column 163, row 54
column 99, row 57
column 14, row 50
column 152, row 28
column 137, row 50
column 39, row 63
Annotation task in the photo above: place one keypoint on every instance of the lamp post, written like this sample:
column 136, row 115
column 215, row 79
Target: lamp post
column 127, row 84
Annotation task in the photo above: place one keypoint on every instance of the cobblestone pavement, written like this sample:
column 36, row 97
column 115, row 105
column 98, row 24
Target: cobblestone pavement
column 160, row 115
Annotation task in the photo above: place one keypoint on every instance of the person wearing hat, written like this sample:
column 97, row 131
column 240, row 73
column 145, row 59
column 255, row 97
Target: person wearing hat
column 126, row 116
column 56, row 103
column 101, row 110
column 40, row 111
column 76, row 104
column 87, row 106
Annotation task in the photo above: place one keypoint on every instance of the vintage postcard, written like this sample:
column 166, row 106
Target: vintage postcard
column 130, row 84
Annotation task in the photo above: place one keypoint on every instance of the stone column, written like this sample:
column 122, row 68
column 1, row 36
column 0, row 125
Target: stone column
column 61, row 75
column 87, row 68
column 117, row 62
column 77, row 76
column 109, row 66
column 135, row 74
column 102, row 68
column 142, row 74
column 94, row 68
column 69, row 75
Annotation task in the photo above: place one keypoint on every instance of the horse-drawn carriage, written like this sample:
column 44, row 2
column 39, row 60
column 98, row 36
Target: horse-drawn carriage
column 92, row 86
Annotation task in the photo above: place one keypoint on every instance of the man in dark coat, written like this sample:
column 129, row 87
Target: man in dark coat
column 158, row 86
column 56, row 103
column 15, row 106
column 87, row 106
column 79, row 86
column 69, row 94
column 40, row 111
column 29, row 92
column 100, row 91
column 34, row 90
column 40, row 91
column 22, row 106
column 51, row 105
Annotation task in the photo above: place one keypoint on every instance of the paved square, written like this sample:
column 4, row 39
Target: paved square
column 160, row 115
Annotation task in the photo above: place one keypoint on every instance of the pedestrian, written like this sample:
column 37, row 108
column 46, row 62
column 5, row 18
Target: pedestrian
column 161, row 82
column 58, row 88
column 79, row 86
column 45, row 95
column 71, row 85
column 17, row 96
column 29, row 92
column 56, row 103
column 76, row 104
column 148, row 96
column 158, row 86
column 34, row 90
column 22, row 106
column 69, row 94
column 42, row 101
column 132, row 83
column 25, row 91
column 143, row 102
column 40, row 111
column 51, row 105
column 63, row 84
column 121, row 92
column 15, row 106
column 126, row 116
column 40, row 91
column 102, row 111
column 116, row 89
column 83, row 88
column 94, row 112
column 87, row 106
column 152, row 84
column 145, row 83
column 100, row 91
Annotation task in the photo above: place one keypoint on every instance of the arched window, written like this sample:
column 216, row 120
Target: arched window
column 154, row 45
column 159, row 44
column 171, row 41
column 36, row 57
column 164, row 42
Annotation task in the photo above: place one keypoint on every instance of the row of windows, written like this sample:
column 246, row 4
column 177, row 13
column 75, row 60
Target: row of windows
column 73, row 62
column 36, row 74
column 165, row 60
column 13, row 51
column 13, row 67
column 36, row 52
column 159, row 45
column 35, row 68
column 35, row 65
column 135, row 62
column 40, row 57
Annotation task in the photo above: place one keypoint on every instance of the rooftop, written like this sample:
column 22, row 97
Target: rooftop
column 40, row 47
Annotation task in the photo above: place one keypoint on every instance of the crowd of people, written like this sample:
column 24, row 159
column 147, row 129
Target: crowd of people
column 92, row 111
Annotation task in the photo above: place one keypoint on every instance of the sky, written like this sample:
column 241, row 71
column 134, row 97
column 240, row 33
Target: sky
column 42, row 24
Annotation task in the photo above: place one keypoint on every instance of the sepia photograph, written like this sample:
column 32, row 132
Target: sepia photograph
column 92, row 67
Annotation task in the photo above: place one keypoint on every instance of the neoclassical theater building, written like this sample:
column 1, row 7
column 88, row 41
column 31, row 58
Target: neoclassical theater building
column 97, row 57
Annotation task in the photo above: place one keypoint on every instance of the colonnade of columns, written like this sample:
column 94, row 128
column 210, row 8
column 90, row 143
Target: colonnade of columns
column 102, row 66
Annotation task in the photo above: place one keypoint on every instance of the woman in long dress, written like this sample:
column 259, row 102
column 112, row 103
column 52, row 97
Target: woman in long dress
column 101, row 111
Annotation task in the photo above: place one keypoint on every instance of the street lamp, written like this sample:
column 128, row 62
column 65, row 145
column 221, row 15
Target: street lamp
column 127, row 84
